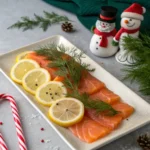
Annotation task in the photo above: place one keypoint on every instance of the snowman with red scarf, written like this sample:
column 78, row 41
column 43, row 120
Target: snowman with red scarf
column 104, row 32
column 130, row 25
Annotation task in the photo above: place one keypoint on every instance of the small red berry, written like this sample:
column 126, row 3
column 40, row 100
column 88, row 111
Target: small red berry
column 42, row 141
column 1, row 123
column 42, row 129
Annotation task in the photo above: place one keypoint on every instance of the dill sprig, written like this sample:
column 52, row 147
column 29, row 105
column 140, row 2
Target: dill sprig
column 90, row 103
column 72, row 69
column 51, row 52
column 140, row 70
column 43, row 22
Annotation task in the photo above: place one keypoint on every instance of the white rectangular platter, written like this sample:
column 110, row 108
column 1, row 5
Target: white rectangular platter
column 138, row 119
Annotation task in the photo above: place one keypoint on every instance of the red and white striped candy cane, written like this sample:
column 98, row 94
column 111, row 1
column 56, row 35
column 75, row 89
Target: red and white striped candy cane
column 21, row 139
column 2, row 143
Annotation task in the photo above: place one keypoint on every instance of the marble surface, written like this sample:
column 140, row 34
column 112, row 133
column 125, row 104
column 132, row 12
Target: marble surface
column 10, row 12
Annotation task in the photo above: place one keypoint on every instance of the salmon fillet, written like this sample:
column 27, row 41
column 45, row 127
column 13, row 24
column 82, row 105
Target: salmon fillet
column 73, row 129
column 125, row 109
column 90, row 84
column 89, row 130
column 80, row 133
column 111, row 122
column 52, row 71
column 106, row 95
column 39, row 59
column 43, row 62
column 59, row 78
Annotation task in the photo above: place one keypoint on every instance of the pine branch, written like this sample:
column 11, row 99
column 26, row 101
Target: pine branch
column 140, row 70
column 72, row 69
column 43, row 22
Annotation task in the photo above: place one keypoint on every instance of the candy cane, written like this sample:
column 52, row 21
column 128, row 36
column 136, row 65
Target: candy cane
column 21, row 139
column 2, row 143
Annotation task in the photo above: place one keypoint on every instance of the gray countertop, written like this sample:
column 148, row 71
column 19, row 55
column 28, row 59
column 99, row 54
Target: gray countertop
column 10, row 12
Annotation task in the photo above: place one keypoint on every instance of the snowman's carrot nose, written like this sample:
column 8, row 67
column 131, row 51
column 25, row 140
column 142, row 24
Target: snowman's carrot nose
column 126, row 21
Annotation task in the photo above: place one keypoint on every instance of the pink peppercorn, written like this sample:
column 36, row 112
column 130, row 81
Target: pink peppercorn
column 42, row 141
column 42, row 129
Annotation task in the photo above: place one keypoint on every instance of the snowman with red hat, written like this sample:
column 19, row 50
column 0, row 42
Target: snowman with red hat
column 104, row 32
column 130, row 25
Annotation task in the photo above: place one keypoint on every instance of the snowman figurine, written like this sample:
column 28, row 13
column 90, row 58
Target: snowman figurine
column 130, row 25
column 104, row 32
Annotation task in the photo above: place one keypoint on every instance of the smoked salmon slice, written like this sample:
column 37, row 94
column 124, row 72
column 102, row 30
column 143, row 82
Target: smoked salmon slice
column 80, row 132
column 73, row 130
column 89, row 130
column 125, row 109
column 92, row 131
column 106, row 95
column 43, row 62
column 90, row 84
column 59, row 78
column 111, row 122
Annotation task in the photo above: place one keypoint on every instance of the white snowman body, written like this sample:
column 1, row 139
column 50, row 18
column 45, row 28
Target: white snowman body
column 95, row 47
column 130, row 24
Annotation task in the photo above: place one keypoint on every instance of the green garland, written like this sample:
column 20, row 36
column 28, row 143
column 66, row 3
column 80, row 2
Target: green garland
column 43, row 22
column 140, row 70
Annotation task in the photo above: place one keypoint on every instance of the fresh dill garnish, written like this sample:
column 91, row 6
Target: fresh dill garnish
column 43, row 22
column 140, row 70
column 95, row 104
column 72, row 69
column 51, row 54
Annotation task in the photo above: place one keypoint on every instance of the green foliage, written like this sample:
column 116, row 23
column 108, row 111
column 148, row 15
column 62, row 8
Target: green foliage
column 140, row 70
column 92, row 29
column 51, row 52
column 114, row 43
column 98, row 105
column 43, row 22
column 72, row 69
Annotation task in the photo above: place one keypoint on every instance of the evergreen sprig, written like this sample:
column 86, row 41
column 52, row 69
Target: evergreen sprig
column 72, row 69
column 140, row 70
column 43, row 22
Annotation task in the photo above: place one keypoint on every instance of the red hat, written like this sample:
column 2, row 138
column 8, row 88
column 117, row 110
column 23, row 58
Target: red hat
column 134, row 11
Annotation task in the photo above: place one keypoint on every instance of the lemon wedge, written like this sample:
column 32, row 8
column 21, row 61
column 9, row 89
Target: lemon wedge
column 66, row 111
column 47, row 93
column 21, row 68
column 34, row 79
column 22, row 55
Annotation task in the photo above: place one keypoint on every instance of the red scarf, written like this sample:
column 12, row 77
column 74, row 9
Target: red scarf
column 104, row 40
column 123, row 30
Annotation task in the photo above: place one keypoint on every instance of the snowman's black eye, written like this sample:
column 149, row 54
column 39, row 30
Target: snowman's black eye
column 130, row 19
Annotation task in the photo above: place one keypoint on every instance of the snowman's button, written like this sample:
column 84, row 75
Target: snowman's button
column 100, row 38
column 96, row 47
column 96, row 42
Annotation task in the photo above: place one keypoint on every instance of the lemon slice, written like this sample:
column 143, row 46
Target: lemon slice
column 66, row 111
column 34, row 79
column 22, row 55
column 21, row 68
column 47, row 93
